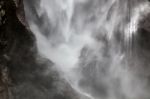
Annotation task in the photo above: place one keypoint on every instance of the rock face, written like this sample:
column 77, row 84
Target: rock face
column 12, row 36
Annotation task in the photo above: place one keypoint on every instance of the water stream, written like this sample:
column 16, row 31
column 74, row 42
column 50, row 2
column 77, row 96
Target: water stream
column 89, row 42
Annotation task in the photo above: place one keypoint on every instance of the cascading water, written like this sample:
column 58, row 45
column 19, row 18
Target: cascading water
column 89, row 43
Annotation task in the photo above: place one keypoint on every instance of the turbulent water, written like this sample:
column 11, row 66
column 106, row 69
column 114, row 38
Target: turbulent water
column 90, row 43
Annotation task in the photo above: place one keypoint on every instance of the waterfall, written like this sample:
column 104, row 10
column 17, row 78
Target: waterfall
column 89, row 42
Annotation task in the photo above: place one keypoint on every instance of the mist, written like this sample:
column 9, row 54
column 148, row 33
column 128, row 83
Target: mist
column 94, row 45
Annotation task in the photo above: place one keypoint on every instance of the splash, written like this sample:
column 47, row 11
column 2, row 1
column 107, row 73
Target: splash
column 84, row 39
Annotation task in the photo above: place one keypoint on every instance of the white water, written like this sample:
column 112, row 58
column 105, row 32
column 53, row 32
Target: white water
column 79, row 37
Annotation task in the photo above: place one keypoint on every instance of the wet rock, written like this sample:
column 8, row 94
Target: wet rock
column 12, row 30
